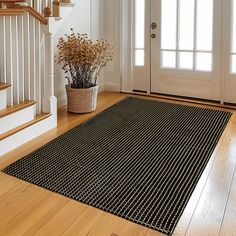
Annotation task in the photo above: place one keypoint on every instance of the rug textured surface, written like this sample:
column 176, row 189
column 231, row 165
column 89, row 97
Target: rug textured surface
column 139, row 159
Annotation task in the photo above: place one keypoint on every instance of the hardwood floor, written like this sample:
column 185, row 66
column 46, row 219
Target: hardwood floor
column 26, row 209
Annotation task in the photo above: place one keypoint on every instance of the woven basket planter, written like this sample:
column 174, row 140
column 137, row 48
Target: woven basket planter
column 81, row 100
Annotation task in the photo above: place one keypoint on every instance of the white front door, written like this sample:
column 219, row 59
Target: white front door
column 186, row 48
column 228, row 73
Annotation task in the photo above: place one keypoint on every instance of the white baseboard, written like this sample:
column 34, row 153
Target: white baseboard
column 112, row 87
column 61, row 98
column 61, row 102
column 101, row 88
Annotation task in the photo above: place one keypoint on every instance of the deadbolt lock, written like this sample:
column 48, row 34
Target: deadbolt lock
column 153, row 36
column 153, row 25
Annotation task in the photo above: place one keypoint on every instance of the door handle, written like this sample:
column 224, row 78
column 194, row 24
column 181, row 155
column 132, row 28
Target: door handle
column 153, row 25
column 153, row 36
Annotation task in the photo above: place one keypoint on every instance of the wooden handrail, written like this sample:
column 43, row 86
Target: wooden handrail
column 18, row 10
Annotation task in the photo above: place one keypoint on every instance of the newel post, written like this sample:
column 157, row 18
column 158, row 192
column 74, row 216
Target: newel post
column 49, row 61
column 50, row 101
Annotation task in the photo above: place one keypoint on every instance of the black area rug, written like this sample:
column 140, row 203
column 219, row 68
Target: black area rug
column 139, row 159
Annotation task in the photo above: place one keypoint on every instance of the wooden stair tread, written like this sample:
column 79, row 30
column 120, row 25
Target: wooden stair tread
column 37, row 119
column 4, row 86
column 11, row 109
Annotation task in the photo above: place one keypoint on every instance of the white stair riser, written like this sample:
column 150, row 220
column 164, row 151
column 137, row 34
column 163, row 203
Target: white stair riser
column 3, row 99
column 16, row 140
column 16, row 119
column 10, row 143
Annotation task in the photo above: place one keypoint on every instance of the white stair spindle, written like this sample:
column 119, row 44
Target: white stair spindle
column 42, row 49
column 49, row 72
column 3, row 76
column 38, row 66
column 32, row 59
column 21, row 58
column 27, row 56
column 9, row 67
column 15, row 56
column 39, row 6
column 43, row 5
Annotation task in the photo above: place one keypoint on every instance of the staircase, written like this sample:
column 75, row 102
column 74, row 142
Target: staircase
column 28, row 107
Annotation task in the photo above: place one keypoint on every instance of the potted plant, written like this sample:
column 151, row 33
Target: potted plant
column 82, row 60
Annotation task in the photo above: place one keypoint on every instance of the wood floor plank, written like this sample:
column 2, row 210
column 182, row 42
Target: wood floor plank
column 129, row 228
column 22, row 206
column 116, row 226
column 110, row 221
column 153, row 233
column 62, row 220
column 209, row 213
column 85, row 222
column 7, row 183
column 229, row 223
column 34, row 215
column 16, row 200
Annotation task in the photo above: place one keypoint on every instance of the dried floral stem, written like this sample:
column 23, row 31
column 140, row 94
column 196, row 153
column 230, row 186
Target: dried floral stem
column 82, row 59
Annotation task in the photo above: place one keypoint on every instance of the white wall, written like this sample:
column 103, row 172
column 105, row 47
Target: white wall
column 99, row 19
column 110, row 20
column 84, row 18
column 96, row 26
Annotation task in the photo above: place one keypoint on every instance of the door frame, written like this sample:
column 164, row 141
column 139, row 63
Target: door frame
column 127, row 57
column 229, row 81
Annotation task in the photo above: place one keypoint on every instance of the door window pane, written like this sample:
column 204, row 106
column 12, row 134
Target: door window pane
column 204, row 61
column 168, row 24
column 204, row 24
column 139, row 58
column 186, row 24
column 233, row 64
column 168, row 59
column 186, row 60
column 139, row 23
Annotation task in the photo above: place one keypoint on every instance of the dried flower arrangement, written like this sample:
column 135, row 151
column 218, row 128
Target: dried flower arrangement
column 82, row 59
